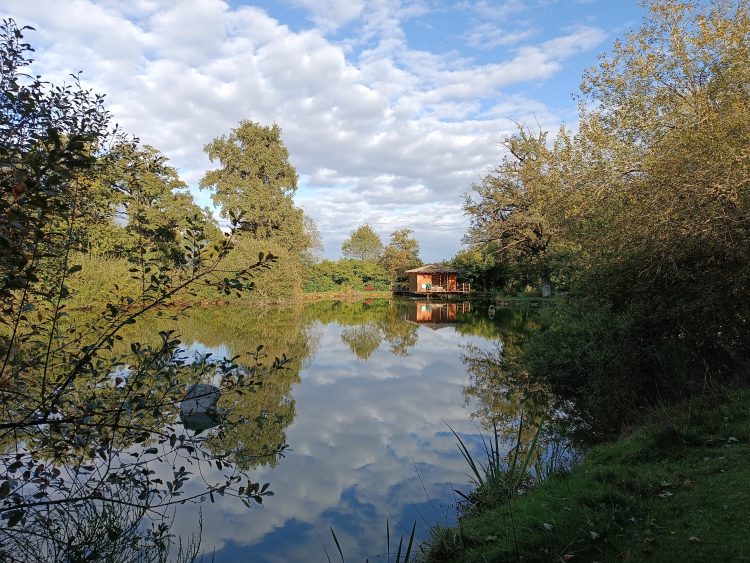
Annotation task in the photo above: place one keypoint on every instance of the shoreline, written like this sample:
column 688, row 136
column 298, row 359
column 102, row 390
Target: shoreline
column 676, row 489
column 353, row 295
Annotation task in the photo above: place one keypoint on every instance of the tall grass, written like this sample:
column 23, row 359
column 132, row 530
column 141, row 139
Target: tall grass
column 398, row 559
column 492, row 477
column 496, row 482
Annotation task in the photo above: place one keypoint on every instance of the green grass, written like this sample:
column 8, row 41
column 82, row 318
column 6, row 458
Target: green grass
column 676, row 490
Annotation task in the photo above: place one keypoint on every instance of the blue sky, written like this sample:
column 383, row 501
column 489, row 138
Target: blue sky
column 390, row 108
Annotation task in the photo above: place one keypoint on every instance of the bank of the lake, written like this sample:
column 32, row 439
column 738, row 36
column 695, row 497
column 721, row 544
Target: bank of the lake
column 677, row 489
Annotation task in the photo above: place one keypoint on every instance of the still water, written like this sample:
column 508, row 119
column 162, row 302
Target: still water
column 364, row 409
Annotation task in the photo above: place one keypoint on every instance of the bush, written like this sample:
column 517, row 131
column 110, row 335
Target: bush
column 346, row 274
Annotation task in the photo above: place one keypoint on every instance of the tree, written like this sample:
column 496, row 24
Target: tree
column 511, row 211
column 256, row 183
column 363, row 243
column 314, row 251
column 652, row 195
column 46, row 140
column 663, row 175
column 158, row 209
column 401, row 254
column 481, row 268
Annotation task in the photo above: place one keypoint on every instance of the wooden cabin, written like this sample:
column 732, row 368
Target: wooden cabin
column 435, row 278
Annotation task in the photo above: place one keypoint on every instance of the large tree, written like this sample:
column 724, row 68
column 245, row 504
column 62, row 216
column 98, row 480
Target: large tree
column 157, row 207
column 79, row 419
column 401, row 254
column 511, row 210
column 255, row 182
column 664, row 172
column 483, row 269
column 654, row 192
column 363, row 243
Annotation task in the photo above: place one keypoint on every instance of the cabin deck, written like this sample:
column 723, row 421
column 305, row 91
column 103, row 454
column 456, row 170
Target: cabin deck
column 437, row 294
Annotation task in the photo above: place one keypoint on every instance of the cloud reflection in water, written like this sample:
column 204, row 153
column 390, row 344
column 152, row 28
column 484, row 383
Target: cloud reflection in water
column 362, row 430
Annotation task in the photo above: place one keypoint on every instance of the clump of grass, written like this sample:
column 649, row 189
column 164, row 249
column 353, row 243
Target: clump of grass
column 100, row 280
column 495, row 480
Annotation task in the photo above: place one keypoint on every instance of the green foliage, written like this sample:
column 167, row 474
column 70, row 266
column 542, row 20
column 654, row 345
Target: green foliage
column 643, row 216
column 283, row 281
column 401, row 254
column 46, row 134
column 99, row 281
column 363, row 244
column 85, row 425
column 256, row 183
column 346, row 274
column 481, row 269
column 599, row 358
column 511, row 211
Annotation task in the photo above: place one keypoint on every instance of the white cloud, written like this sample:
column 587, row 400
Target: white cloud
column 331, row 14
column 369, row 121
column 487, row 35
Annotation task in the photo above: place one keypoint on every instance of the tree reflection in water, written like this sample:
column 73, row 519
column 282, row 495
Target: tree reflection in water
column 93, row 474
column 368, row 323
column 507, row 400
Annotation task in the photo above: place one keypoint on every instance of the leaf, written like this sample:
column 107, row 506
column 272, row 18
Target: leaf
column 14, row 517
column 75, row 268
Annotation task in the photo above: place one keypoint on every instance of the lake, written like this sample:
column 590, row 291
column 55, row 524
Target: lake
column 365, row 409
column 353, row 430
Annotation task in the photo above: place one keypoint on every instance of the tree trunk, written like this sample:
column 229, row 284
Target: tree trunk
column 546, row 285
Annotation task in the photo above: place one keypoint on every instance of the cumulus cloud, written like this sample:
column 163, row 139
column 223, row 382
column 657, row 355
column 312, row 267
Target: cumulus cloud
column 488, row 36
column 331, row 14
column 378, row 130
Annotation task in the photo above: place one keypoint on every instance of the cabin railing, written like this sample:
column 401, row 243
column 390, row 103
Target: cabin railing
column 460, row 288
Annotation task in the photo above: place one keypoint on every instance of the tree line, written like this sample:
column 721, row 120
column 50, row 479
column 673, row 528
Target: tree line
column 367, row 264
column 640, row 218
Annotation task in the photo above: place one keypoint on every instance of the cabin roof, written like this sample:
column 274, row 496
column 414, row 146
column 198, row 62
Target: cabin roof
column 433, row 269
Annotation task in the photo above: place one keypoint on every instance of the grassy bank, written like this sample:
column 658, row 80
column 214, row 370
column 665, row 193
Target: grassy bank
column 675, row 490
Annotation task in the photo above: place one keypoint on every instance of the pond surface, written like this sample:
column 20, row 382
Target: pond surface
column 364, row 408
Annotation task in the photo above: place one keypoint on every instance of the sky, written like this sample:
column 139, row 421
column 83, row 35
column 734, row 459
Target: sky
column 390, row 109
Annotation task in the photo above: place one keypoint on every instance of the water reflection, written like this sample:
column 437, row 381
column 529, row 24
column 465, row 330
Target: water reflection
column 435, row 314
column 361, row 397
column 371, row 402
column 83, row 470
